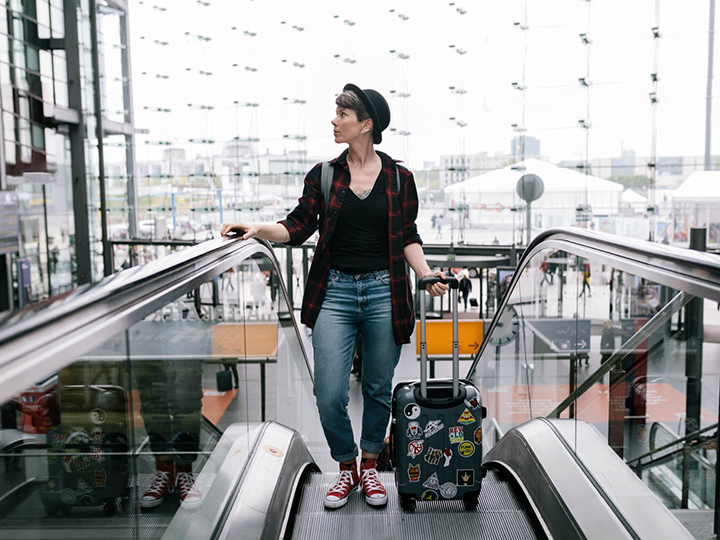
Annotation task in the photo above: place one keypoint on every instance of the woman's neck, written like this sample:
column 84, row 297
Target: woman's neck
column 361, row 153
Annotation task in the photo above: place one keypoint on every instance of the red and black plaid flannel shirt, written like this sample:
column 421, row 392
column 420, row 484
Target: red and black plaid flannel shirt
column 302, row 222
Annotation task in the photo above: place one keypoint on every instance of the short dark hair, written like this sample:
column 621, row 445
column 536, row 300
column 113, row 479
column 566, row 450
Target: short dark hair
column 350, row 100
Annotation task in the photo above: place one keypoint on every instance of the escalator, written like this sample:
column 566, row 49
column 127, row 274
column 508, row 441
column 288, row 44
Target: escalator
column 167, row 334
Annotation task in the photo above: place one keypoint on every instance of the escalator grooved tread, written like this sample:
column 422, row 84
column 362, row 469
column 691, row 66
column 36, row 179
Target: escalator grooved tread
column 499, row 514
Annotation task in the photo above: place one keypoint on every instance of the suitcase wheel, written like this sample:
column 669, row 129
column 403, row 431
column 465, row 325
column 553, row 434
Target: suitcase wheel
column 407, row 502
column 470, row 500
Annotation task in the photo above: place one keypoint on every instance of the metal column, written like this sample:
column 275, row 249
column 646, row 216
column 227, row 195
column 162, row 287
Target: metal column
column 77, row 145
column 99, row 134
column 694, row 346
column 6, row 292
column 129, row 139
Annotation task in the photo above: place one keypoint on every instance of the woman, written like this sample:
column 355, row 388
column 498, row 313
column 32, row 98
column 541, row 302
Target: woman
column 357, row 284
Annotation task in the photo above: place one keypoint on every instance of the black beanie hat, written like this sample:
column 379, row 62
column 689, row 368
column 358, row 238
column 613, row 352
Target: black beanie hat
column 377, row 108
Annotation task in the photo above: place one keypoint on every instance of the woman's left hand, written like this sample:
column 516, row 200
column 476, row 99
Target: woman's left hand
column 436, row 289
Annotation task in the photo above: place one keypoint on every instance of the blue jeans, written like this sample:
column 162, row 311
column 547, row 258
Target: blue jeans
column 354, row 305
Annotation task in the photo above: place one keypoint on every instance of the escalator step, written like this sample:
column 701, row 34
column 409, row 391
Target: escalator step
column 499, row 515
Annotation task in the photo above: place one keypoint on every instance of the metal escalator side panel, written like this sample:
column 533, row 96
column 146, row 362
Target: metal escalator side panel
column 259, row 509
column 567, row 501
column 224, row 471
column 641, row 508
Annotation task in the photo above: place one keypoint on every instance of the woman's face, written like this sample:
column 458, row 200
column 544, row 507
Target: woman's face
column 346, row 126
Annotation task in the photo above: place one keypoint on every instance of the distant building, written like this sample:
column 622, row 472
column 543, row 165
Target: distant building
column 458, row 168
column 532, row 147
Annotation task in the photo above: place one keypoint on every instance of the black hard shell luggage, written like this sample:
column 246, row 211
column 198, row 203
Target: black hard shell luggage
column 88, row 455
column 437, row 429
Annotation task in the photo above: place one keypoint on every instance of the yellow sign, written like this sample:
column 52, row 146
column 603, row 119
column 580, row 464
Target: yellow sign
column 438, row 335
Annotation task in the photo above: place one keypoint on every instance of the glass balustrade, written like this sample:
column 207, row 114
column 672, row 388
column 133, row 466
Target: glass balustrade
column 179, row 386
column 625, row 346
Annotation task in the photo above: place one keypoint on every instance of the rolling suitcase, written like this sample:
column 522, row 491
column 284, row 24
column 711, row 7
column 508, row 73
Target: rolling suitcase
column 88, row 462
column 436, row 429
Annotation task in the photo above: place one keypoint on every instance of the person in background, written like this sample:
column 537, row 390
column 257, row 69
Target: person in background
column 465, row 286
column 357, row 284
column 545, row 273
column 585, row 279
column 607, row 341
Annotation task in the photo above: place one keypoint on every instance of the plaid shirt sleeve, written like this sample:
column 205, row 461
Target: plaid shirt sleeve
column 302, row 222
column 409, row 206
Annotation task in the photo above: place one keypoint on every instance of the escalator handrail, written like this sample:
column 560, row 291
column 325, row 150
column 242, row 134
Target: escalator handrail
column 700, row 269
column 680, row 440
column 628, row 347
column 44, row 338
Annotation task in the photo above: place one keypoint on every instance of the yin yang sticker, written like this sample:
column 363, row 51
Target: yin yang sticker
column 412, row 411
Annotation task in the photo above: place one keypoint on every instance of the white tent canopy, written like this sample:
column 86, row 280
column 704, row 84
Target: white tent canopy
column 700, row 186
column 633, row 197
column 555, row 179
column 492, row 196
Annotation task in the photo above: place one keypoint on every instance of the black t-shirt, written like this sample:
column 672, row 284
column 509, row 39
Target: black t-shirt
column 359, row 243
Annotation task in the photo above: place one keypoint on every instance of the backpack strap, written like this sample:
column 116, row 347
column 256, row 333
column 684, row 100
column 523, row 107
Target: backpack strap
column 326, row 178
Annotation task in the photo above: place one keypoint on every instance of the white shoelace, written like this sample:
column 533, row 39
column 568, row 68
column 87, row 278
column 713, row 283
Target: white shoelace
column 160, row 484
column 342, row 483
column 370, row 480
column 185, row 482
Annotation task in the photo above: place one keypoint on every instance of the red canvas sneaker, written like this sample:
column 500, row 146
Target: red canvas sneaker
column 161, row 485
column 375, row 493
column 345, row 483
column 189, row 493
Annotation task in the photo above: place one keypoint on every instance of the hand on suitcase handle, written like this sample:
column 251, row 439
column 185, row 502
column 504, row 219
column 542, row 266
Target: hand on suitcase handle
column 451, row 281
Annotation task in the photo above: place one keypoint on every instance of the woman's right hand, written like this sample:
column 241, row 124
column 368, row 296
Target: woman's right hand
column 247, row 231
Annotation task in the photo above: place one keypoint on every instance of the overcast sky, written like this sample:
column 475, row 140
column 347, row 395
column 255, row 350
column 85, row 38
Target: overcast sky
column 550, row 55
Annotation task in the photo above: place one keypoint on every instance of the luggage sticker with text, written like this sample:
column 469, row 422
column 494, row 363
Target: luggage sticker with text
column 433, row 456
column 456, row 434
column 415, row 448
column 447, row 454
column 466, row 449
column 473, row 403
column 429, row 495
column 414, row 472
column 412, row 411
column 478, row 435
column 414, row 431
column 448, row 490
column 100, row 478
column 57, row 441
column 465, row 477
column 432, row 482
column 49, row 456
column 432, row 427
column 466, row 418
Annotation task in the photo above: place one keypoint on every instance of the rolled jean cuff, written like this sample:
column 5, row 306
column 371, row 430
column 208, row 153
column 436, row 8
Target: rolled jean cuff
column 346, row 457
column 371, row 447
